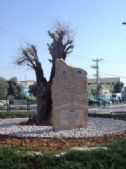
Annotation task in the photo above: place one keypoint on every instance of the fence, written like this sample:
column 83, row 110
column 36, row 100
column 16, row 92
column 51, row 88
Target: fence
column 18, row 105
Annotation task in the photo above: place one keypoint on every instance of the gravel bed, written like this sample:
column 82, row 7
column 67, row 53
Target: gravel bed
column 96, row 127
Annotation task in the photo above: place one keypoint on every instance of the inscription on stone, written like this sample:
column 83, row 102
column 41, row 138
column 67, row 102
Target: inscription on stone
column 71, row 117
column 69, row 97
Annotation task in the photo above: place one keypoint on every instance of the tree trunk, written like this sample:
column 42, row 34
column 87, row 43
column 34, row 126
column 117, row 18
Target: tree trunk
column 43, row 98
column 43, row 103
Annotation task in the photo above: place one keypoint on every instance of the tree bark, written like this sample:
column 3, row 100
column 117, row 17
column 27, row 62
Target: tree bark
column 43, row 103
column 43, row 96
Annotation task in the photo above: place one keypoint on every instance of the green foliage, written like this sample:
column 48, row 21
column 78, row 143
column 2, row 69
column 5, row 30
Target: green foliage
column 31, row 99
column 112, row 158
column 91, row 96
column 12, row 158
column 3, row 88
column 11, row 99
column 33, row 89
column 115, row 116
column 93, row 92
column 4, row 115
column 13, row 88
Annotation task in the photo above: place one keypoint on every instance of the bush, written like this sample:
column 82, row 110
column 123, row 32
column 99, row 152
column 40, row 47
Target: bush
column 4, row 115
column 12, row 158
column 118, row 115
column 113, row 158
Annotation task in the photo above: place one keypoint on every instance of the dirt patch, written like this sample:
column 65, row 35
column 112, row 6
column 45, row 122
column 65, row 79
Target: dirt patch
column 57, row 144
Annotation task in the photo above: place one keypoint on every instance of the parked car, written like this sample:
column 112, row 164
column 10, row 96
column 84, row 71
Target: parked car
column 103, row 101
column 116, row 97
column 93, row 102
column 99, row 101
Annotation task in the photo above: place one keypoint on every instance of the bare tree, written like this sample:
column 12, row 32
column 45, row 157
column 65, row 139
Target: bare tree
column 29, row 58
column 61, row 46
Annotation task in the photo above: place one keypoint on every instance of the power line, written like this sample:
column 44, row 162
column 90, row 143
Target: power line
column 113, row 75
column 9, row 34
column 2, row 34
column 115, row 62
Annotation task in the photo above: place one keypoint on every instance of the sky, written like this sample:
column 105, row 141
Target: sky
column 97, row 27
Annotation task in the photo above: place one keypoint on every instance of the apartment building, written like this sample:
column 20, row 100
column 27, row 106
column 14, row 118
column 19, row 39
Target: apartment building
column 107, row 84
column 25, row 86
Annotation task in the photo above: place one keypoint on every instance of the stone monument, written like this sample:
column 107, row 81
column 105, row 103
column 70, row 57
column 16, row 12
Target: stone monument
column 69, row 97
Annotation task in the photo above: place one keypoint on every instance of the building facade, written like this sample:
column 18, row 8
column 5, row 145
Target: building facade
column 124, row 92
column 25, row 86
column 106, row 84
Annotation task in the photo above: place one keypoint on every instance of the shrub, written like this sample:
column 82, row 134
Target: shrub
column 113, row 158
column 4, row 115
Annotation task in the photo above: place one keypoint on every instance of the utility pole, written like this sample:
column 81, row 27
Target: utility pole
column 96, row 66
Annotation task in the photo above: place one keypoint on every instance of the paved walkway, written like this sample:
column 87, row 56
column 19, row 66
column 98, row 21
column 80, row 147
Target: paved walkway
column 109, row 109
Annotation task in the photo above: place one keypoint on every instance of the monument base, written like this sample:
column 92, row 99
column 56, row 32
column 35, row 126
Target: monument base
column 70, row 119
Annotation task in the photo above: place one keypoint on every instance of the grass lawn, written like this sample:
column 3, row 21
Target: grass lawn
column 16, row 114
column 118, row 116
column 112, row 158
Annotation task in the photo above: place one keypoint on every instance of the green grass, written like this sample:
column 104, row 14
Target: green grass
column 113, row 158
column 115, row 116
column 19, row 114
column 4, row 115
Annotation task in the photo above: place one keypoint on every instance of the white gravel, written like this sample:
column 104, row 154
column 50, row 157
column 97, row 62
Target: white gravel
column 96, row 127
